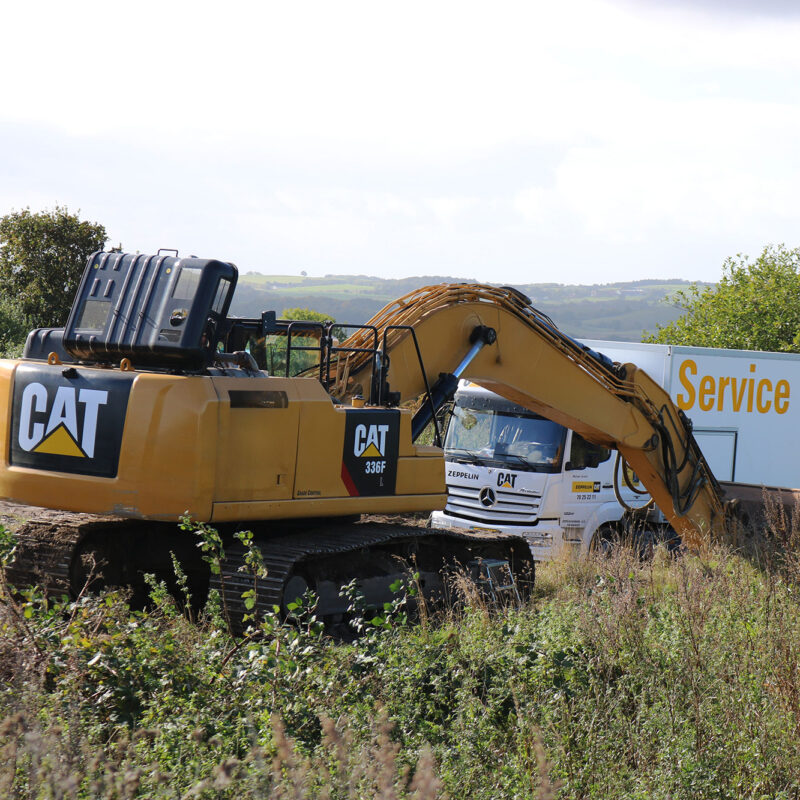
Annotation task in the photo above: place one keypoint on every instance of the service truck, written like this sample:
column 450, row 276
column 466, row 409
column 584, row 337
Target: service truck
column 510, row 470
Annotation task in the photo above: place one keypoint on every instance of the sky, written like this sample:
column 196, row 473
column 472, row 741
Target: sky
column 583, row 141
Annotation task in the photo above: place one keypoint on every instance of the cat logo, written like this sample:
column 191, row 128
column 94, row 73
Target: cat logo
column 370, row 441
column 65, row 420
column 369, row 456
column 59, row 435
column 506, row 480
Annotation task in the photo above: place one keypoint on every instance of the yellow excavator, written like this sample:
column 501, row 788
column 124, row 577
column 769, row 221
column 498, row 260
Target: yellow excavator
column 152, row 403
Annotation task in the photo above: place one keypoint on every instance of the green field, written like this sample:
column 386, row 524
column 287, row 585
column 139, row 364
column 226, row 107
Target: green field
column 259, row 279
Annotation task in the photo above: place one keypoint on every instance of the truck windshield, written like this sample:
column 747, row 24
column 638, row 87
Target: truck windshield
column 521, row 441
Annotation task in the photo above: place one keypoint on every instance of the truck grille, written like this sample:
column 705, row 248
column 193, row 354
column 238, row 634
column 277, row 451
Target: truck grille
column 508, row 508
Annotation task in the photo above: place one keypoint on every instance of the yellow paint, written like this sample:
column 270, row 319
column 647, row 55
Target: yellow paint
column 60, row 443
column 185, row 448
column 582, row 486
column 372, row 452
column 632, row 477
column 730, row 393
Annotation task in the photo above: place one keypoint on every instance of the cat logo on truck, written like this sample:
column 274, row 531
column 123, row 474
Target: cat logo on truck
column 506, row 480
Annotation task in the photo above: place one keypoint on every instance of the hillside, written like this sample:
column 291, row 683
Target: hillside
column 616, row 311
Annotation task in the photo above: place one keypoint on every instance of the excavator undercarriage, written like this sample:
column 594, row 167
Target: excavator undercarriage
column 68, row 553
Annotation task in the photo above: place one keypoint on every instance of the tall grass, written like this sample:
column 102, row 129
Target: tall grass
column 671, row 678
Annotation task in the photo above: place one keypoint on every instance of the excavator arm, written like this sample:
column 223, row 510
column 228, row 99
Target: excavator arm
column 533, row 364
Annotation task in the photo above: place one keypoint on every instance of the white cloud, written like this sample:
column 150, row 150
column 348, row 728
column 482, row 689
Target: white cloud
column 532, row 203
column 423, row 137
column 448, row 210
column 716, row 166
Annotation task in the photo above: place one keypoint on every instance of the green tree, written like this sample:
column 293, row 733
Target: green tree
column 275, row 346
column 310, row 315
column 755, row 306
column 42, row 257
column 13, row 329
column 306, row 314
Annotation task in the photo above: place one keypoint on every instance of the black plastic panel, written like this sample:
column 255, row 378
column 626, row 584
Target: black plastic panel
column 154, row 310
column 43, row 341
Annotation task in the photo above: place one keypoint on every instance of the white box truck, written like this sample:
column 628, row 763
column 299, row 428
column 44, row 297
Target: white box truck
column 510, row 470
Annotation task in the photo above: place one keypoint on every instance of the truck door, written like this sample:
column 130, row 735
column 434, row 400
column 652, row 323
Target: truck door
column 587, row 484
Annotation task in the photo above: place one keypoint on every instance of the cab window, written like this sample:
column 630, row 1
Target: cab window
column 585, row 455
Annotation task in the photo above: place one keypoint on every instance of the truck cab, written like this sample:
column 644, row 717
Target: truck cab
column 510, row 470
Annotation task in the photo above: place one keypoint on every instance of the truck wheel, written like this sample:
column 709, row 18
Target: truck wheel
column 605, row 539
column 644, row 541
column 610, row 536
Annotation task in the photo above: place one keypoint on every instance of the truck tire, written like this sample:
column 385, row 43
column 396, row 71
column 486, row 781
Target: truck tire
column 606, row 538
column 642, row 540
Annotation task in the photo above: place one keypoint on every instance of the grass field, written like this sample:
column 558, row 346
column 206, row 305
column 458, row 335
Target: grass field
column 258, row 278
column 675, row 678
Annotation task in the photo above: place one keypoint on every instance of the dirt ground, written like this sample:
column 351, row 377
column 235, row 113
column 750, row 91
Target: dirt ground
column 12, row 515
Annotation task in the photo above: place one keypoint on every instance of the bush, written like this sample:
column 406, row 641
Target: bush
column 675, row 678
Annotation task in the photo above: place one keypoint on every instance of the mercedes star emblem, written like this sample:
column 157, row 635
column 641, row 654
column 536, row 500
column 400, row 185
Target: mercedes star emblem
column 487, row 496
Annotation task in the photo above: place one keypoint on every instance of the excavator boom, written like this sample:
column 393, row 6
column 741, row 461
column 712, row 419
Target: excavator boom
column 535, row 365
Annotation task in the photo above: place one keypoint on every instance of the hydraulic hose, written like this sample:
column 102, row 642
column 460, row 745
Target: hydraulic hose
column 628, row 483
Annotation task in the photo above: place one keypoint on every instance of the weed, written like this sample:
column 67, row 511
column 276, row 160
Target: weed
column 672, row 678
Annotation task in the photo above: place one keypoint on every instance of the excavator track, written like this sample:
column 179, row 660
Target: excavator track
column 44, row 553
column 64, row 553
column 377, row 552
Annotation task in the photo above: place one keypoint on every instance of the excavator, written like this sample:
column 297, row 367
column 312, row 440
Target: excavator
column 153, row 404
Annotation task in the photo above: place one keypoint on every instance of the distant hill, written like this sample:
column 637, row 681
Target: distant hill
column 616, row 311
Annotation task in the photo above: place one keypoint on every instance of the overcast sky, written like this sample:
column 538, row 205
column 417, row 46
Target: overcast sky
column 579, row 141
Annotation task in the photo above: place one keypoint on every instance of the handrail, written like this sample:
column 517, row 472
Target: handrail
column 384, row 366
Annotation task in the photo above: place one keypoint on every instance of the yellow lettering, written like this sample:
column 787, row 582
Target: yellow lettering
column 737, row 398
column 781, row 395
column 710, row 391
column 750, row 386
column 686, row 401
column 723, row 382
column 761, row 406
column 707, row 392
